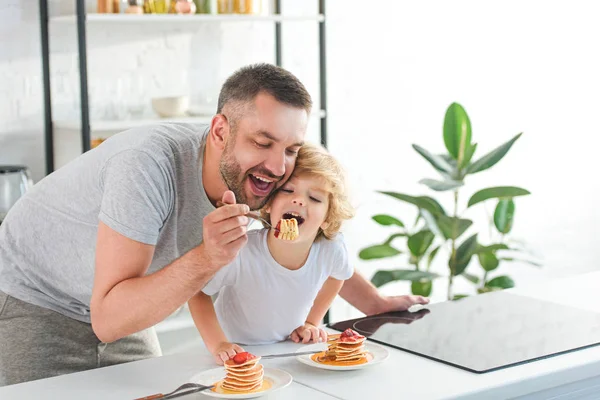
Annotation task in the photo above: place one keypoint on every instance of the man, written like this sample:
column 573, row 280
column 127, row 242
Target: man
column 114, row 242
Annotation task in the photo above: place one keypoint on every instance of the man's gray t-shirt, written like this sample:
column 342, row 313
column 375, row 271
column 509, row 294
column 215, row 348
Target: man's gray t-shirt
column 145, row 183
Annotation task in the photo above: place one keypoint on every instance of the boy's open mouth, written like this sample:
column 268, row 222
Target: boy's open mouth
column 290, row 215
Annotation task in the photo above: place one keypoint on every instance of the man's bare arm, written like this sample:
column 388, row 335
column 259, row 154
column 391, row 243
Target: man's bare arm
column 363, row 295
column 125, row 300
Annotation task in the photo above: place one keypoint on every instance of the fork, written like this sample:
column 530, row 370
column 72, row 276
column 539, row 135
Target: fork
column 252, row 214
column 180, row 391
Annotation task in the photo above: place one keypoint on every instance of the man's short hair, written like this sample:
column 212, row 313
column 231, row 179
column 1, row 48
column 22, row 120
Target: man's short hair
column 246, row 83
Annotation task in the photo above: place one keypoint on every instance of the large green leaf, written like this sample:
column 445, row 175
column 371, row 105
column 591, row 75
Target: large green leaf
column 469, row 155
column 504, row 215
column 470, row 277
column 417, row 219
column 496, row 193
column 432, row 255
column 463, row 255
column 456, row 174
column 433, row 205
column 453, row 227
column 385, row 276
column 423, row 202
column 450, row 160
column 441, row 186
column 488, row 261
column 457, row 132
column 491, row 158
column 431, row 223
column 387, row 220
column 438, row 162
column 492, row 248
column 503, row 282
column 420, row 242
column 378, row 251
column 422, row 287
column 394, row 236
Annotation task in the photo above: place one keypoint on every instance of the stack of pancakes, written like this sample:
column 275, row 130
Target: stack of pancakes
column 288, row 229
column 243, row 377
column 346, row 347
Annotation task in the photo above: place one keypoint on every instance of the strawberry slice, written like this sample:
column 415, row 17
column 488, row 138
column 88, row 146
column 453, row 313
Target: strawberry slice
column 278, row 229
column 349, row 333
column 241, row 358
column 351, row 336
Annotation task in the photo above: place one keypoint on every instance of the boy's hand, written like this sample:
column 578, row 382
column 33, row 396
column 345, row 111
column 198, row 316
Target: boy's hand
column 225, row 351
column 308, row 333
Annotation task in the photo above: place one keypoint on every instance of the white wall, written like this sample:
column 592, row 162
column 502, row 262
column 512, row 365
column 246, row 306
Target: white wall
column 21, row 117
column 527, row 67
column 393, row 69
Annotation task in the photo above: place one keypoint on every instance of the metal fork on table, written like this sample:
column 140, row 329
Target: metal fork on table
column 186, row 388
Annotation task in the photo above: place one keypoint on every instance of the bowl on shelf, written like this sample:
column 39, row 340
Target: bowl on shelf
column 167, row 107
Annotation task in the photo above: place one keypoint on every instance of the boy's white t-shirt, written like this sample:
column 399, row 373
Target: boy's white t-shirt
column 261, row 301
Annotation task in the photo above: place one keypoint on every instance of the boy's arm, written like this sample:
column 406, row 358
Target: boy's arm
column 310, row 331
column 205, row 318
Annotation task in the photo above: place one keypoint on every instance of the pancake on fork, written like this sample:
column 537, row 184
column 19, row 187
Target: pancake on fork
column 287, row 229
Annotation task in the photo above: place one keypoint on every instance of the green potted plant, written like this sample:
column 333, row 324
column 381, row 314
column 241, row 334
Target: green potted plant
column 437, row 231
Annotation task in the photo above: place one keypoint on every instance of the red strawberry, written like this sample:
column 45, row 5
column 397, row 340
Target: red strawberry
column 277, row 229
column 349, row 333
column 241, row 358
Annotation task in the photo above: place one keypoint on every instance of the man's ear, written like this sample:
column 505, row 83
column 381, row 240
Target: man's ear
column 219, row 131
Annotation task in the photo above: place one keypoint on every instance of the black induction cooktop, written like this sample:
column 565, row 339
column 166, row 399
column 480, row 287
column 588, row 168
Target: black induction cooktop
column 483, row 333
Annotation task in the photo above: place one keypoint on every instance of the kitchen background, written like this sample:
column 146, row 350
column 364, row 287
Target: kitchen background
column 393, row 68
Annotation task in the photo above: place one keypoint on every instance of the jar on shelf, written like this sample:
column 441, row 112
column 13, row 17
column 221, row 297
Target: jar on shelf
column 206, row 6
column 135, row 7
column 185, row 7
column 247, row 6
column 108, row 7
column 225, row 6
column 155, row 7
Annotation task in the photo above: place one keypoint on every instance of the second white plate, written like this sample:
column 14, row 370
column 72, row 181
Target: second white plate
column 379, row 354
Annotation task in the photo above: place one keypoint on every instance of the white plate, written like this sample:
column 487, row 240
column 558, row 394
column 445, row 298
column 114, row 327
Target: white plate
column 278, row 378
column 378, row 352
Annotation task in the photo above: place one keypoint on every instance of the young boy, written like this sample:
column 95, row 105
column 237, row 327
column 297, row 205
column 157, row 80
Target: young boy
column 277, row 288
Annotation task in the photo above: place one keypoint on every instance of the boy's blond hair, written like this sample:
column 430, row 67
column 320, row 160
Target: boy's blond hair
column 314, row 160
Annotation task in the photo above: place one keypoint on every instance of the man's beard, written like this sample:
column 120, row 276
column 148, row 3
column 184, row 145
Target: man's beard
column 231, row 172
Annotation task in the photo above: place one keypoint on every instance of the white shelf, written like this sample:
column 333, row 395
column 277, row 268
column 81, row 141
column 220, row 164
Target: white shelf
column 117, row 126
column 169, row 18
column 109, row 126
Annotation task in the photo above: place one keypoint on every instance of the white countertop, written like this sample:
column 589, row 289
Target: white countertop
column 403, row 375
column 137, row 379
